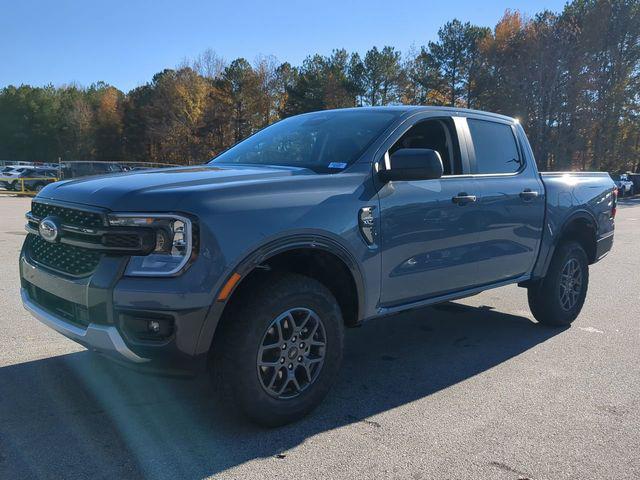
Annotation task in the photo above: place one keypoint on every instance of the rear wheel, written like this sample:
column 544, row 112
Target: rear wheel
column 276, row 354
column 558, row 298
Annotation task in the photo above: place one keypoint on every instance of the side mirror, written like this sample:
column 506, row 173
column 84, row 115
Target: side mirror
column 413, row 164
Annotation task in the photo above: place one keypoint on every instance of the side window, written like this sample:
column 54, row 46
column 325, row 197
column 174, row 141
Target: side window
column 439, row 135
column 495, row 147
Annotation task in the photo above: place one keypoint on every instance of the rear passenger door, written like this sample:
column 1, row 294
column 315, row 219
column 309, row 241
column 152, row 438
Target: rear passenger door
column 511, row 204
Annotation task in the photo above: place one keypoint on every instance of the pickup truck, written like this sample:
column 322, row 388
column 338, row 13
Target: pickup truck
column 252, row 265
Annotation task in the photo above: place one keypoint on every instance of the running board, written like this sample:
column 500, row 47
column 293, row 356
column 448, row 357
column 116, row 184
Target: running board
column 384, row 311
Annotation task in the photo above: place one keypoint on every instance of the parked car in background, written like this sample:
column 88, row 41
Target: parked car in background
column 42, row 178
column 14, row 179
column 11, row 168
column 253, row 264
column 624, row 184
column 86, row 169
column 11, row 174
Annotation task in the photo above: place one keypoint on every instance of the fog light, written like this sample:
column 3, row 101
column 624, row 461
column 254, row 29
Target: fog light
column 147, row 326
column 154, row 326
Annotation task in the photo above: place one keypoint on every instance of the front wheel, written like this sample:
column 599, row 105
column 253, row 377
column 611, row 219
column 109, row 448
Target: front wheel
column 278, row 352
column 558, row 298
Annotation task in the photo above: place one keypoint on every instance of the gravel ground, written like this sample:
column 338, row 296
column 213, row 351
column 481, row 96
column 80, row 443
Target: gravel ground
column 473, row 389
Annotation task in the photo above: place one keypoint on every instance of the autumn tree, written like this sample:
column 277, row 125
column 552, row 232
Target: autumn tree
column 285, row 79
column 107, row 104
column 571, row 77
column 208, row 64
column 422, row 79
column 608, row 63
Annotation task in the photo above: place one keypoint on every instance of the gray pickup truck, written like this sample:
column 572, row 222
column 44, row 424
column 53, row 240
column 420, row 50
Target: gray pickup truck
column 253, row 264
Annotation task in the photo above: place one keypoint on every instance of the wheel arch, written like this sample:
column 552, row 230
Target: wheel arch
column 581, row 226
column 258, row 262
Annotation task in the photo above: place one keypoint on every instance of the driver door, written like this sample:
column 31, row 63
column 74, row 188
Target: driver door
column 429, row 237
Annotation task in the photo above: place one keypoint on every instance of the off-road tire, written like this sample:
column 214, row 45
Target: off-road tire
column 545, row 297
column 234, row 354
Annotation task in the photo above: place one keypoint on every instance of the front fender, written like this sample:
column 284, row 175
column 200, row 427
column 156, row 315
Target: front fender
column 311, row 239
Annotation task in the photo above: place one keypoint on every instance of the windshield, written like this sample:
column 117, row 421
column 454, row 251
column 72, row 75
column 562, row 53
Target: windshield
column 325, row 142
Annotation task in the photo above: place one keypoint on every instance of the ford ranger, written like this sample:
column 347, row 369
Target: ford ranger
column 252, row 265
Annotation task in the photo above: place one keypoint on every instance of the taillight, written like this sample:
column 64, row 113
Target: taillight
column 614, row 203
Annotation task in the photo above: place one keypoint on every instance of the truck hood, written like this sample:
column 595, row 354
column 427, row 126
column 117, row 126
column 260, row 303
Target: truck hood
column 160, row 189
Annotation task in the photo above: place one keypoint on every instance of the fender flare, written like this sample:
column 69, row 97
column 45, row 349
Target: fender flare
column 580, row 214
column 314, row 241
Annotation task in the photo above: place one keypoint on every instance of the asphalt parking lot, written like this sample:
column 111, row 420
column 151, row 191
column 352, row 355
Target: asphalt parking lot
column 473, row 389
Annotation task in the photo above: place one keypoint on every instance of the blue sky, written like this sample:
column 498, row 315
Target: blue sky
column 125, row 42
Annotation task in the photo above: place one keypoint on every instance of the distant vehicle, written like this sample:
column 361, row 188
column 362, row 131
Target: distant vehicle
column 51, row 165
column 42, row 177
column 255, row 263
column 624, row 184
column 11, row 168
column 86, row 169
column 18, row 164
column 10, row 175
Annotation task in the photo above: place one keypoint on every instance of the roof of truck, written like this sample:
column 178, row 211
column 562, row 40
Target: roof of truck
column 420, row 108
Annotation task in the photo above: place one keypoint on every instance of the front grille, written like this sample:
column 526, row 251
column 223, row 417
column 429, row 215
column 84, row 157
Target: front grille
column 69, row 216
column 64, row 258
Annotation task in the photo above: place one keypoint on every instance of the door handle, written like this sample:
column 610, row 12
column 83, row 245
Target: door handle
column 462, row 198
column 527, row 194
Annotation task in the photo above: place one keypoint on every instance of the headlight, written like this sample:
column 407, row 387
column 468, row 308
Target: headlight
column 174, row 243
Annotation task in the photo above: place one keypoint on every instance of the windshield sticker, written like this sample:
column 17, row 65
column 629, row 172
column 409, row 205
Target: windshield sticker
column 339, row 165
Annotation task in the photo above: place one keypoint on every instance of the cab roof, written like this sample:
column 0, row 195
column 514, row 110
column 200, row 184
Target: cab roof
column 412, row 109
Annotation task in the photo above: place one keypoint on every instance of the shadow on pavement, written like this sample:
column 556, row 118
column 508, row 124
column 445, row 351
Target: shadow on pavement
column 79, row 416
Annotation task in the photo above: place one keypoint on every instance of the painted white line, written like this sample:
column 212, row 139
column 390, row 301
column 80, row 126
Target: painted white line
column 590, row 330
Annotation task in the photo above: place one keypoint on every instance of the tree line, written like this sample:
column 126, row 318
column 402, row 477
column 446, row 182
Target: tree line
column 572, row 78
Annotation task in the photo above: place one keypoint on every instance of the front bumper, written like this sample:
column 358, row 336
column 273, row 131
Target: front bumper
column 94, row 311
column 103, row 338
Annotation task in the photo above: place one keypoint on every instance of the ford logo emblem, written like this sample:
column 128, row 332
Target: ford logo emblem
column 49, row 229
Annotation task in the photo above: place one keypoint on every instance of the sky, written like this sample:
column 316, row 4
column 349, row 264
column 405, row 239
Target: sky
column 125, row 42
